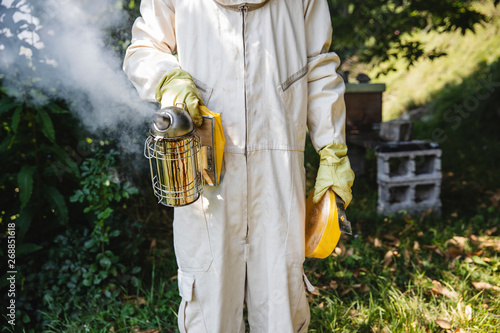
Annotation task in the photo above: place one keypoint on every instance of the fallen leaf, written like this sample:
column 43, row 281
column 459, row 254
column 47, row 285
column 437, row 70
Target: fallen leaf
column 406, row 255
column 477, row 253
column 377, row 242
column 334, row 284
column 136, row 300
column 416, row 246
column 364, row 288
column 152, row 245
column 484, row 285
column 443, row 324
column 345, row 291
column 321, row 305
column 342, row 247
column 395, row 241
column 491, row 231
column 388, row 258
column 434, row 248
column 494, row 243
column 453, row 252
column 458, row 241
column 495, row 198
column 439, row 288
column 315, row 292
column 468, row 312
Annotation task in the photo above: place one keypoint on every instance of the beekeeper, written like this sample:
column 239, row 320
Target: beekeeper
column 265, row 66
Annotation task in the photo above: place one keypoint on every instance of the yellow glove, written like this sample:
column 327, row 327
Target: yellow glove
column 335, row 172
column 178, row 87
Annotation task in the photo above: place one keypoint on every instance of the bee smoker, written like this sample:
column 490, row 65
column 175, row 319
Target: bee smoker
column 173, row 149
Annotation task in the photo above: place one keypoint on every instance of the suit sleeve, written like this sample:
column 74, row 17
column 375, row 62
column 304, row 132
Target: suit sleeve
column 150, row 54
column 326, row 106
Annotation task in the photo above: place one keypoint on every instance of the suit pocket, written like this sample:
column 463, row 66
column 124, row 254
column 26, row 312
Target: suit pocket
column 191, row 238
column 206, row 91
column 293, row 94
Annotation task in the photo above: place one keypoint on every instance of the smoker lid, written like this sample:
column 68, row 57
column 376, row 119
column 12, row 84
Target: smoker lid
column 171, row 122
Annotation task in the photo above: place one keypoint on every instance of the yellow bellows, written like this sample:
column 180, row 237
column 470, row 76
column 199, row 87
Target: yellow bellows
column 322, row 226
column 212, row 135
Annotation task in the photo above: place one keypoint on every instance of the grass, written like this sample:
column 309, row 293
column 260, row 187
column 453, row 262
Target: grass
column 403, row 275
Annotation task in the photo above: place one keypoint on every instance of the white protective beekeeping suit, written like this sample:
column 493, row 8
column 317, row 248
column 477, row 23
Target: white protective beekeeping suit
column 265, row 66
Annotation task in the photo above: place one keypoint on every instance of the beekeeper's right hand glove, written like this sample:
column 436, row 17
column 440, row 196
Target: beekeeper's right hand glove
column 177, row 86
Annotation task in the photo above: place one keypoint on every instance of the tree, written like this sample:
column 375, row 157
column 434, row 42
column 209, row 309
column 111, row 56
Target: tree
column 377, row 30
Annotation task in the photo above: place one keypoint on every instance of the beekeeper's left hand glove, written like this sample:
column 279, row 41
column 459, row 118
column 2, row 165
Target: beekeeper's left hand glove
column 178, row 87
column 335, row 172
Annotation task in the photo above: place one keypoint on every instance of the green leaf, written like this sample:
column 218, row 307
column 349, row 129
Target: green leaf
column 64, row 163
column 56, row 108
column 23, row 222
column 47, row 127
column 57, row 202
column 26, row 248
column 89, row 244
column 25, row 183
column 7, row 143
column 16, row 118
column 75, row 197
column 135, row 281
column 97, row 279
column 8, row 106
column 477, row 260
column 105, row 262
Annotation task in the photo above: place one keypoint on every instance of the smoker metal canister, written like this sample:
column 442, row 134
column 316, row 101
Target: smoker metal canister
column 174, row 152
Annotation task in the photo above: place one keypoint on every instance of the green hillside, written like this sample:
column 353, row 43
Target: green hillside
column 417, row 86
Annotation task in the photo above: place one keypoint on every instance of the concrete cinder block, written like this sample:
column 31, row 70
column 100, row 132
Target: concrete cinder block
column 408, row 177
column 413, row 196
column 422, row 162
column 396, row 130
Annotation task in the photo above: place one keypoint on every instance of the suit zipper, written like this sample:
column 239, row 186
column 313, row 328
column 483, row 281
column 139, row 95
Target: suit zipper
column 243, row 8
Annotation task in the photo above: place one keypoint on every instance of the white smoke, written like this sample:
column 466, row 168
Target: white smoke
column 73, row 61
